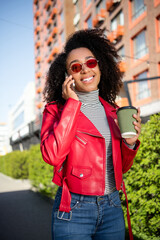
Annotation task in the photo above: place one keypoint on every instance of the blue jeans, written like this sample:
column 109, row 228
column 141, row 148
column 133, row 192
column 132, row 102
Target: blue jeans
column 91, row 218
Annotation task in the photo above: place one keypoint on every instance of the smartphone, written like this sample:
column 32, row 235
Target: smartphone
column 73, row 84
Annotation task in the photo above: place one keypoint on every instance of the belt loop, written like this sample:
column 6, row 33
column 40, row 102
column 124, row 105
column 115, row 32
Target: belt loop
column 81, row 198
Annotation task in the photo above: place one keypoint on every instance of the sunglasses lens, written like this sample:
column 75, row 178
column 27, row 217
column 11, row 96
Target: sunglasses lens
column 91, row 63
column 76, row 67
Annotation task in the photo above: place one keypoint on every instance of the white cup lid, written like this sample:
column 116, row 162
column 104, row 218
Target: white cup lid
column 128, row 134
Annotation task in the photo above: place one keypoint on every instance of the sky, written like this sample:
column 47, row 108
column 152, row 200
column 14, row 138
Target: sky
column 16, row 52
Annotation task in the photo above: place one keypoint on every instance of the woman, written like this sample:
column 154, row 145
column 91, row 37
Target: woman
column 81, row 139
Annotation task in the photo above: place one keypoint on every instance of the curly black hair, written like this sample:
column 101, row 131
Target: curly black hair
column 102, row 49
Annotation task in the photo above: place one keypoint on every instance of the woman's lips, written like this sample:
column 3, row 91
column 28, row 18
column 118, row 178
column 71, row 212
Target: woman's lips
column 87, row 79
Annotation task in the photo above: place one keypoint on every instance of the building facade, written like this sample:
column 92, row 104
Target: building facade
column 4, row 141
column 22, row 132
column 133, row 26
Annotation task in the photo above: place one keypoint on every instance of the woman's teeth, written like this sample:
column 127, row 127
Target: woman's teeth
column 87, row 79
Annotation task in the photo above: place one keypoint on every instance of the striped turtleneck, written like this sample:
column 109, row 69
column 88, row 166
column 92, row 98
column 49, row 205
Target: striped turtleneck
column 94, row 111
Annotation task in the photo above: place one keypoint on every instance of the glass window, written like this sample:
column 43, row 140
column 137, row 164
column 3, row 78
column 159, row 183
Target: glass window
column 117, row 20
column 62, row 37
column 18, row 120
column 139, row 45
column 89, row 22
column 77, row 10
column 121, row 52
column 101, row 4
column 62, row 17
column 143, row 90
column 88, row 2
column 37, row 21
column 138, row 8
column 158, row 24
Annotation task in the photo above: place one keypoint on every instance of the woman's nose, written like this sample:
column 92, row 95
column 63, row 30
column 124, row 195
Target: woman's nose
column 84, row 68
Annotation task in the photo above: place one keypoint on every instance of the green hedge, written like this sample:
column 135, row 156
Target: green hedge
column 30, row 165
column 15, row 164
column 41, row 173
column 142, row 181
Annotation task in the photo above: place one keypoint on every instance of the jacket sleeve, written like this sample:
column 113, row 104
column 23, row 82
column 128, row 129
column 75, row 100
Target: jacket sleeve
column 58, row 132
column 128, row 155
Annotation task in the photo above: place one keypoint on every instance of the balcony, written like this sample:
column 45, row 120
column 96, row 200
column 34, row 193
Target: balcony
column 39, row 90
column 110, row 5
column 54, row 32
column 117, row 34
column 39, row 105
column 122, row 66
column 53, row 53
column 38, row 44
column 50, row 39
column 99, row 18
column 48, row 4
column 37, row 14
column 38, row 59
column 38, row 74
column 49, row 22
column 37, row 29
column 53, row 13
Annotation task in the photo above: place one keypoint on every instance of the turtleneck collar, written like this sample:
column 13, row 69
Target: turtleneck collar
column 88, row 97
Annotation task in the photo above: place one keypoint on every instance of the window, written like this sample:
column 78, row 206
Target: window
column 37, row 21
column 37, row 5
column 62, row 17
column 49, row 29
column 100, row 5
column 158, row 29
column 143, row 90
column 18, row 120
column 121, row 52
column 138, row 8
column 89, row 22
column 38, row 35
column 62, row 37
column 77, row 10
column 88, row 2
column 139, row 45
column 117, row 20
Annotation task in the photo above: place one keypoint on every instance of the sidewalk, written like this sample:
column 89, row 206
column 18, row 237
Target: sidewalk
column 24, row 214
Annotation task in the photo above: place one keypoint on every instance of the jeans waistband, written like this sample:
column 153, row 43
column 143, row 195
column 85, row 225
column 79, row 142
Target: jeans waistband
column 89, row 198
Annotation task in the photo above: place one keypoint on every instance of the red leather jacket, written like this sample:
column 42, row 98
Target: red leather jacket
column 76, row 149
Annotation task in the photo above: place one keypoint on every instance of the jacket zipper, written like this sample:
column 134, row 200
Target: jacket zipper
column 62, row 166
column 90, row 134
column 80, row 140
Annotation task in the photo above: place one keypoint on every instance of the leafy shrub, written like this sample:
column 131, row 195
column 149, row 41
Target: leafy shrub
column 143, row 183
column 41, row 173
column 15, row 164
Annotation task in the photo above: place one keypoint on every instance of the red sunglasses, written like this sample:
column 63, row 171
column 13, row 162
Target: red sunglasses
column 77, row 67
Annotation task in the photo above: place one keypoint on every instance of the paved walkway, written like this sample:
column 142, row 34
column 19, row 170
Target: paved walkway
column 24, row 214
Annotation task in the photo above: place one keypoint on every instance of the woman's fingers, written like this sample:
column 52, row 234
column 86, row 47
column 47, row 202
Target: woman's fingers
column 66, row 82
column 137, row 123
column 67, row 89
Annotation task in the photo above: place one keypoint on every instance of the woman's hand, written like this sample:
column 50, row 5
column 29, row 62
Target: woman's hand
column 137, row 126
column 67, row 89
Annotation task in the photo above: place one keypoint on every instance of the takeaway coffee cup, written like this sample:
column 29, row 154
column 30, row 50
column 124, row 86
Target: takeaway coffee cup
column 125, row 121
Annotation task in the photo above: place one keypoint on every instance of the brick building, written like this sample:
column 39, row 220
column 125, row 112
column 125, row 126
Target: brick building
column 132, row 25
